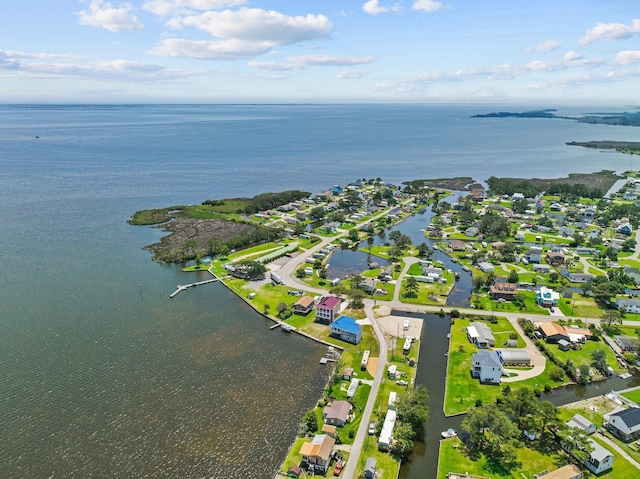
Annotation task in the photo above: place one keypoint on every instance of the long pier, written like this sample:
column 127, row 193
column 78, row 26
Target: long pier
column 182, row 287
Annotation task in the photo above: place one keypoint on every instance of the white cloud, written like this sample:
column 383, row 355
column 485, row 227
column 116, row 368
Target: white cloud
column 572, row 56
column 304, row 61
column 104, row 15
column 165, row 8
column 627, row 57
column 547, row 46
column 372, row 7
column 209, row 50
column 40, row 56
column 257, row 25
column 610, row 32
column 350, row 74
column 427, row 5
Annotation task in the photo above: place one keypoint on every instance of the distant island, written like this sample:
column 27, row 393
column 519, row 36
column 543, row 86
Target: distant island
column 620, row 119
column 630, row 147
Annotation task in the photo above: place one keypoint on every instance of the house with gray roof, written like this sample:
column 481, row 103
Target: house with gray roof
column 628, row 305
column 337, row 414
column 481, row 335
column 624, row 424
column 582, row 423
column 486, row 366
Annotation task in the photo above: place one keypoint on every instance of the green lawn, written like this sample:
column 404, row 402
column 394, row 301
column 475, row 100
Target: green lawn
column 462, row 390
column 633, row 396
column 454, row 457
column 583, row 356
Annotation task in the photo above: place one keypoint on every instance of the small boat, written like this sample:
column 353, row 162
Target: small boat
column 453, row 260
column 449, row 433
column 457, row 276
column 465, row 268
column 287, row 328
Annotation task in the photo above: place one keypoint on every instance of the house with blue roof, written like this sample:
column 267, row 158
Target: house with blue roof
column 347, row 329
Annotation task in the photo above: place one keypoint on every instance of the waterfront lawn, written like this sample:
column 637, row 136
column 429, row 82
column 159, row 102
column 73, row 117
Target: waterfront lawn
column 633, row 396
column 462, row 391
column 455, row 458
column 428, row 293
column 583, row 356
column 386, row 466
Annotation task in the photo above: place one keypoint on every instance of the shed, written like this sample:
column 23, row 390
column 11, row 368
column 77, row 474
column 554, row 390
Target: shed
column 564, row 345
column 370, row 468
column 582, row 423
column 515, row 357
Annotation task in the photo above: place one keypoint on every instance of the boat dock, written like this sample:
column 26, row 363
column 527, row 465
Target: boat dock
column 182, row 287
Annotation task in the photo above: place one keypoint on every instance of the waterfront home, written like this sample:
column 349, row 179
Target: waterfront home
column 486, row 366
column 582, row 423
column 303, row 306
column 317, row 454
column 337, row 414
column 481, row 335
column 624, row 424
column 553, row 332
column 327, row 309
column 547, row 297
column 627, row 343
column 486, row 267
column 347, row 329
column 514, row 357
column 368, row 285
column 500, row 290
column 386, row 434
column 628, row 305
column 457, row 245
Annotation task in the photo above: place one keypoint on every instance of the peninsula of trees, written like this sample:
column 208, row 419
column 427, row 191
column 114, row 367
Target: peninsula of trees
column 623, row 119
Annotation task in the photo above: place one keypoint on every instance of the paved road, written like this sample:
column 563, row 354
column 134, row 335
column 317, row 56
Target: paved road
column 620, row 451
column 356, row 448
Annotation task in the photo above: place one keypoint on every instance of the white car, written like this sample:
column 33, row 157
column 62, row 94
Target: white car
column 372, row 428
column 402, row 382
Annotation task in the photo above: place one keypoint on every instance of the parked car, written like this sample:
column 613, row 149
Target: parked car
column 402, row 382
column 372, row 428
column 338, row 468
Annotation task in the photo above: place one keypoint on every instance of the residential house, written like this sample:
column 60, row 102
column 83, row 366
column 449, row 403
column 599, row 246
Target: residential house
column 318, row 453
column 347, row 329
column 624, row 424
column 386, row 433
column 547, row 297
column 505, row 291
column 303, row 306
column 628, row 305
column 553, row 332
column 486, row 267
column 555, row 258
column 582, row 423
column 600, row 459
column 625, row 229
column 337, row 414
column 576, row 277
column 486, row 366
column 534, row 255
column 555, row 207
column 368, row 285
column 457, row 245
column 481, row 335
column 541, row 268
column 587, row 215
column 472, row 231
column 327, row 309
column 627, row 343
column 566, row 231
column 347, row 374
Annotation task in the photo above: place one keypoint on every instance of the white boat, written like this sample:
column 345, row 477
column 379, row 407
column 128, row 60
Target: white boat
column 449, row 433
column 287, row 328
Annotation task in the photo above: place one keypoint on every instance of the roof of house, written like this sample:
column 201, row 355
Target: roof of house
column 570, row 471
column 551, row 329
column 599, row 453
column 320, row 446
column 346, row 323
column 630, row 417
column 338, row 410
column 329, row 429
column 627, row 342
column 328, row 302
column 580, row 421
column 305, row 301
column 504, row 288
column 509, row 355
column 487, row 359
column 484, row 332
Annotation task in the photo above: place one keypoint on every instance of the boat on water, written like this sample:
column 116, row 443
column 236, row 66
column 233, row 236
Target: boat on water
column 449, row 433
column 287, row 328
column 457, row 276
column 453, row 260
column 465, row 268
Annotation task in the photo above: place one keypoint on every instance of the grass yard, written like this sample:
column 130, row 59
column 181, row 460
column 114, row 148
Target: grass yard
column 454, row 457
column 386, row 466
column 633, row 396
column 583, row 356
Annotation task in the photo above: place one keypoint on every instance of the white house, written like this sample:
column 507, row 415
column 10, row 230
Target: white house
column 600, row 459
column 481, row 335
column 624, row 424
column 386, row 433
column 628, row 305
column 547, row 297
column 486, row 366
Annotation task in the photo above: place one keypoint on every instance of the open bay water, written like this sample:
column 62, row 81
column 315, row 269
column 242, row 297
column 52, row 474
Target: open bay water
column 101, row 374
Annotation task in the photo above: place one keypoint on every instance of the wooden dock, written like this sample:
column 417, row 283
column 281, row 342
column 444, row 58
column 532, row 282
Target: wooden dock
column 182, row 287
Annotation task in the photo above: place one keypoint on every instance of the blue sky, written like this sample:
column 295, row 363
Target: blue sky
column 551, row 52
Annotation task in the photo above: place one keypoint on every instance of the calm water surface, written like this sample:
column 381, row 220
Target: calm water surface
column 101, row 375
